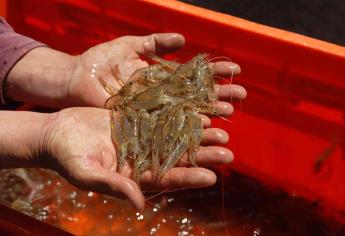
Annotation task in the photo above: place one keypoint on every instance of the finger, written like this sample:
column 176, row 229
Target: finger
column 161, row 43
column 223, row 108
column 214, row 136
column 225, row 68
column 205, row 121
column 209, row 156
column 180, row 177
column 230, row 91
column 110, row 183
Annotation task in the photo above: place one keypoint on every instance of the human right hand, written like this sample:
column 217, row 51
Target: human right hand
column 77, row 144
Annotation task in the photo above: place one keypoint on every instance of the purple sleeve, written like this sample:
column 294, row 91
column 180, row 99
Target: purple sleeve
column 13, row 47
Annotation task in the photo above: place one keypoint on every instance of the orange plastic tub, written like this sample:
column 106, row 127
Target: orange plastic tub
column 3, row 8
column 294, row 114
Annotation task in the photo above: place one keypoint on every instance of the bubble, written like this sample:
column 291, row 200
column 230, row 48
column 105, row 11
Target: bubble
column 183, row 233
column 256, row 232
column 153, row 231
column 170, row 199
column 73, row 194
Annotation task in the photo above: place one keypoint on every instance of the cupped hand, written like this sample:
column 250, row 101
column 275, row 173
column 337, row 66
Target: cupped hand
column 77, row 144
column 121, row 57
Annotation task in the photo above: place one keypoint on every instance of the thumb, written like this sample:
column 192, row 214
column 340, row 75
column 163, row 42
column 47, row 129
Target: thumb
column 160, row 43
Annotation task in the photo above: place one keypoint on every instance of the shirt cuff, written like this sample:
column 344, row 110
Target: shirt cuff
column 13, row 47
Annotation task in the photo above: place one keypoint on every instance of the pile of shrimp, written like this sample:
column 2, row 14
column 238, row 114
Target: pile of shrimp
column 155, row 115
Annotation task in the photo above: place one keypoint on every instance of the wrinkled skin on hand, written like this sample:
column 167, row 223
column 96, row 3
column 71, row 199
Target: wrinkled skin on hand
column 124, row 53
column 78, row 145
column 78, row 140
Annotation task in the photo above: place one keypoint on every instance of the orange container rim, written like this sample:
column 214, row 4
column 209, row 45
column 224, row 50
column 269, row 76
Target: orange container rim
column 252, row 27
column 3, row 6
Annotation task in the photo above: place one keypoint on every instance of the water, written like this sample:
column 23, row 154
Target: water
column 249, row 209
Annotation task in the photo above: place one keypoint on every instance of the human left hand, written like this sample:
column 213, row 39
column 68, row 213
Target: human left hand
column 122, row 56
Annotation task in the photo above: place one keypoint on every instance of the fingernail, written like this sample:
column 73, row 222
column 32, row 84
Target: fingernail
column 176, row 38
column 208, row 178
column 236, row 69
column 222, row 137
column 227, row 155
column 243, row 92
column 227, row 108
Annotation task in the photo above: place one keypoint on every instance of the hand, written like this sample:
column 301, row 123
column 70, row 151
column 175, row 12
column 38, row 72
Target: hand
column 51, row 78
column 77, row 144
column 124, row 54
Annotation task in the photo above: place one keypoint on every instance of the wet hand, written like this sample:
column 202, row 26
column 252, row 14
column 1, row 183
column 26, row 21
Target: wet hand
column 116, row 58
column 77, row 144
column 119, row 58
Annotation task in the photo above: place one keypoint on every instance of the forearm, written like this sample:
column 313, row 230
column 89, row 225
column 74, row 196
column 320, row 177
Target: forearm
column 21, row 138
column 41, row 77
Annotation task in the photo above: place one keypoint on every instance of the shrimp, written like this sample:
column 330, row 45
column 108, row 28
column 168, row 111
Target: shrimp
column 133, row 131
column 147, row 122
column 158, row 109
column 171, row 66
column 195, row 129
column 107, row 87
column 177, row 123
column 175, row 154
column 118, row 139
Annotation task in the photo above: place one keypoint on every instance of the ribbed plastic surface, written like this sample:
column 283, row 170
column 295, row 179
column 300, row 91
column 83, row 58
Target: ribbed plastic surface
column 294, row 114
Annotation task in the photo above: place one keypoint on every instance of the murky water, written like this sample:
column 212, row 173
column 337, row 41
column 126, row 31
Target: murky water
column 245, row 208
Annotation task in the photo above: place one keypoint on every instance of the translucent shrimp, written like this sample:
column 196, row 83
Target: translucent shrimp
column 158, row 109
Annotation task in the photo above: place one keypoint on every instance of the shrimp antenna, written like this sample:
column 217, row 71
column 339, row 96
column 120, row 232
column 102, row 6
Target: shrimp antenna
column 223, row 202
column 151, row 203
column 208, row 60
column 223, row 118
column 221, row 78
column 157, row 194
column 115, row 71
column 219, row 58
column 185, row 161
column 232, row 76
column 107, row 87
column 164, row 191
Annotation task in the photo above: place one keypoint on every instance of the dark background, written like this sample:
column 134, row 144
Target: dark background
column 321, row 19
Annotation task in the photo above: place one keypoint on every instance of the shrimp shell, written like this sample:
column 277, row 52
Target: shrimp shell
column 158, row 111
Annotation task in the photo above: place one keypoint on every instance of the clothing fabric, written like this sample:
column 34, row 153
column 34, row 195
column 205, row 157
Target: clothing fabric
column 13, row 47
